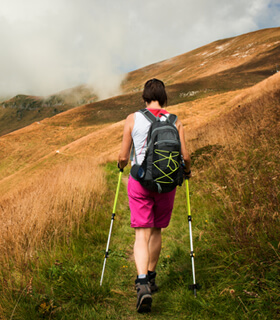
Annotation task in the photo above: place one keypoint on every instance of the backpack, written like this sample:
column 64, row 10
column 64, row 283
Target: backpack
column 161, row 170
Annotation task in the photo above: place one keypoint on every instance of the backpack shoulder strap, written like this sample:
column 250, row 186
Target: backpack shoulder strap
column 172, row 118
column 148, row 115
column 132, row 152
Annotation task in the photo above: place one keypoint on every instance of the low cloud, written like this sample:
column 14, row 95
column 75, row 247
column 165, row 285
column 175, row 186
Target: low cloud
column 48, row 46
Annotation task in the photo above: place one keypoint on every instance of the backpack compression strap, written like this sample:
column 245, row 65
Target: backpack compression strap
column 152, row 118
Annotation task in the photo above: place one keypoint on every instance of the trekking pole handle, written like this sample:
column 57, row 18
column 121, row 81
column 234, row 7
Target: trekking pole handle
column 187, row 175
column 121, row 170
column 117, row 191
column 188, row 197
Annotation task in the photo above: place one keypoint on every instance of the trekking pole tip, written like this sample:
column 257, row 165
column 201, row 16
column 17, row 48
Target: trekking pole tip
column 195, row 287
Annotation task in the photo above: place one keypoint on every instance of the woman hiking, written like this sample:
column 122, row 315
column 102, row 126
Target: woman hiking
column 150, row 211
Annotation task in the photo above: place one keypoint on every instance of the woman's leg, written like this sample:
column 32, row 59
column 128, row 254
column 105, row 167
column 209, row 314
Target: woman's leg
column 147, row 249
column 141, row 249
column 141, row 255
column 154, row 248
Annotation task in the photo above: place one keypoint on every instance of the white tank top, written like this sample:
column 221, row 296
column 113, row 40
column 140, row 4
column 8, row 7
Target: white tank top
column 139, row 135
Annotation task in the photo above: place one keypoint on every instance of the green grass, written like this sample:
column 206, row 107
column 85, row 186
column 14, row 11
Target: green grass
column 237, row 259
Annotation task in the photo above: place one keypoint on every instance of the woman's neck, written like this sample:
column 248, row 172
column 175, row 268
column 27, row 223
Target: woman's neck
column 153, row 105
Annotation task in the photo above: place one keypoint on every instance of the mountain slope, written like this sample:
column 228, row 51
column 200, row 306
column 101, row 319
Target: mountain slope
column 223, row 65
column 254, row 55
column 93, row 129
column 26, row 156
column 56, row 201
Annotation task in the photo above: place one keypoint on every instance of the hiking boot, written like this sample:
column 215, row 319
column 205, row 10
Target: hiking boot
column 152, row 281
column 144, row 296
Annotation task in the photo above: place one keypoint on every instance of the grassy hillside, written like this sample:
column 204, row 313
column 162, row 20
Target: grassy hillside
column 235, row 208
column 253, row 56
column 57, row 185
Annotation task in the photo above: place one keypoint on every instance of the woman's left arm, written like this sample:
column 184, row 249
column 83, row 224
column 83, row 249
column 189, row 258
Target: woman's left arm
column 184, row 151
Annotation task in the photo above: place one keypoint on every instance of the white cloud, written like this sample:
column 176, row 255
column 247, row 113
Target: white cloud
column 50, row 45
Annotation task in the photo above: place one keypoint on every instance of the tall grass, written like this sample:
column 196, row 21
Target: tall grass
column 50, row 210
column 252, row 111
column 246, row 173
column 236, row 232
column 242, row 180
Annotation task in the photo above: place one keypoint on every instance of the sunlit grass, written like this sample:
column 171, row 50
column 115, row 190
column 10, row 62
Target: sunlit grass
column 53, row 234
column 52, row 208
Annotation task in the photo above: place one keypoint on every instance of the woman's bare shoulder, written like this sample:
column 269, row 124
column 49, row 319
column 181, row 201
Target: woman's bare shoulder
column 129, row 122
column 130, row 117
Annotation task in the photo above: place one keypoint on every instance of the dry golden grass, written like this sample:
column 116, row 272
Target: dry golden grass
column 99, row 143
column 39, row 203
column 51, row 209
column 245, row 174
column 220, row 56
column 226, row 118
column 24, row 147
column 197, row 115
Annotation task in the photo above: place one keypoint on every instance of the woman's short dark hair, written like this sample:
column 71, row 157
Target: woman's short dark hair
column 154, row 90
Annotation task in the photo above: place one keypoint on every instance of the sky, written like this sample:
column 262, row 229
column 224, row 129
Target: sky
column 50, row 45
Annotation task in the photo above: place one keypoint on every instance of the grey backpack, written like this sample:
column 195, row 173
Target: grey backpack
column 161, row 170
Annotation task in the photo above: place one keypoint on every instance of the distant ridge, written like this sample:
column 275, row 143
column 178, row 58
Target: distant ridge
column 22, row 110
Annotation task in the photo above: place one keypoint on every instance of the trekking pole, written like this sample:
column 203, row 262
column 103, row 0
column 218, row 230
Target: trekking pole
column 195, row 286
column 111, row 226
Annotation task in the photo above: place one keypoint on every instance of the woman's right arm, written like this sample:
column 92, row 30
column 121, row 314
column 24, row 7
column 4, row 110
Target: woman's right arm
column 126, row 142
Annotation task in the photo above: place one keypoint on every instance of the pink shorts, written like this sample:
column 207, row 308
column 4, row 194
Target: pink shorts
column 149, row 209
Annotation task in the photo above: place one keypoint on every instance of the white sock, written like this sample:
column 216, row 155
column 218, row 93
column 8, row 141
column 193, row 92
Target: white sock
column 142, row 276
